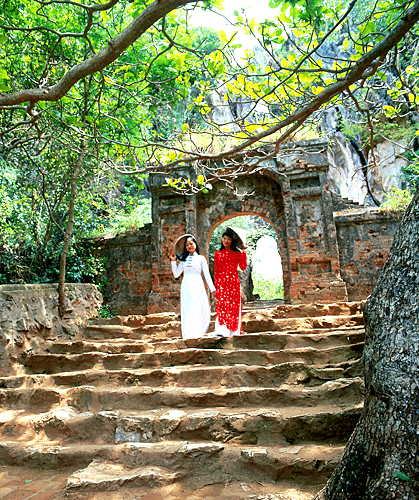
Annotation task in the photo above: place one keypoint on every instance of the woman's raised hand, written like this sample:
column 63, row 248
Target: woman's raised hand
column 173, row 257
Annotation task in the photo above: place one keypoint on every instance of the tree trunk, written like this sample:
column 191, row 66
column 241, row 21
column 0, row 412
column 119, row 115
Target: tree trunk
column 386, row 438
column 62, row 306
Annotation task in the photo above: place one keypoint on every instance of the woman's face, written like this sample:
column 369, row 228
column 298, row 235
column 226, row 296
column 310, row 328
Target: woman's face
column 226, row 240
column 190, row 245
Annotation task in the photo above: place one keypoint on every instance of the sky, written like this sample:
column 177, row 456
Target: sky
column 256, row 9
column 267, row 261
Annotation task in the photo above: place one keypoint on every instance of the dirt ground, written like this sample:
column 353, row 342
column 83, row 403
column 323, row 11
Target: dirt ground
column 24, row 483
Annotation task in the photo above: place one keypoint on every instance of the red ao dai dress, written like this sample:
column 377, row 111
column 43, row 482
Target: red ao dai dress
column 227, row 284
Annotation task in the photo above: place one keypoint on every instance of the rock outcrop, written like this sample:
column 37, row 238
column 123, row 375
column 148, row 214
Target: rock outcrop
column 29, row 315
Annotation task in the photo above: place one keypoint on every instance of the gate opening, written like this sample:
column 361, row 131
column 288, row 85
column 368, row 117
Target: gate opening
column 263, row 278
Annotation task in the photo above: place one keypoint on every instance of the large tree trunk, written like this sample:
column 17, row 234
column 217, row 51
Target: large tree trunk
column 386, row 438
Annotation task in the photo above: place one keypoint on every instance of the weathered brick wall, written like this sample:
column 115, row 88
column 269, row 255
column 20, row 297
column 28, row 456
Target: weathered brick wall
column 128, row 271
column 311, row 233
column 325, row 256
column 364, row 241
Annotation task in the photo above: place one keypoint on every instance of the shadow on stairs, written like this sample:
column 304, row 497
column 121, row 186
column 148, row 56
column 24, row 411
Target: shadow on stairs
column 130, row 410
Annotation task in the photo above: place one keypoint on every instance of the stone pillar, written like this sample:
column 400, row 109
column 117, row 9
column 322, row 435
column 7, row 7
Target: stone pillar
column 311, row 231
column 173, row 214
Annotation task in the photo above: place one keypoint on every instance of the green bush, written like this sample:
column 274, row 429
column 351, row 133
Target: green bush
column 396, row 199
column 267, row 289
column 126, row 222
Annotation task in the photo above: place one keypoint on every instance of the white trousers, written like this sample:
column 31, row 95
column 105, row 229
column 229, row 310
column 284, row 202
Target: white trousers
column 224, row 331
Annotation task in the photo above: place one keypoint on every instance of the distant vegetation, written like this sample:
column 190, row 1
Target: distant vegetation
column 268, row 287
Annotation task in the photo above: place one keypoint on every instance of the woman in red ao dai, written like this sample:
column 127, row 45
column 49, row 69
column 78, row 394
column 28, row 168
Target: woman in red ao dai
column 227, row 284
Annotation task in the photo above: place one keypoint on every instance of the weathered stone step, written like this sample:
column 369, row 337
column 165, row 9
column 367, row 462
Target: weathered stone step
column 168, row 330
column 296, row 339
column 314, row 309
column 253, row 464
column 290, row 373
column 261, row 426
column 267, row 340
column 261, row 322
column 90, row 398
column 55, row 363
column 253, row 322
column 109, row 476
column 183, row 458
column 277, row 311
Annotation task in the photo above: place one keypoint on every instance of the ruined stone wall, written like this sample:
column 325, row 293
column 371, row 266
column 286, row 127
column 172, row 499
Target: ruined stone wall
column 326, row 256
column 128, row 273
column 173, row 215
column 311, row 233
column 364, row 241
column 29, row 313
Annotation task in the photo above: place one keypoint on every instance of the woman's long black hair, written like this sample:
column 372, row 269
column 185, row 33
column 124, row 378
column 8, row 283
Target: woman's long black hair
column 185, row 252
column 234, row 240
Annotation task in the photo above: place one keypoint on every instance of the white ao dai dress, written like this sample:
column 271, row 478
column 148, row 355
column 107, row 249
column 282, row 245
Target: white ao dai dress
column 194, row 305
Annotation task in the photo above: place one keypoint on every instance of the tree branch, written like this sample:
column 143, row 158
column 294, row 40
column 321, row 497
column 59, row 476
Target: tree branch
column 99, row 61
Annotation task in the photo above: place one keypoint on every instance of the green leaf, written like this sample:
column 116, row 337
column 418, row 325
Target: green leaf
column 139, row 182
column 390, row 110
column 3, row 38
column 402, row 476
column 223, row 36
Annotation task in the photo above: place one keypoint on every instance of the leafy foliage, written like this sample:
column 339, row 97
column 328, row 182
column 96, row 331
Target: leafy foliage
column 267, row 289
column 396, row 199
column 411, row 171
column 30, row 242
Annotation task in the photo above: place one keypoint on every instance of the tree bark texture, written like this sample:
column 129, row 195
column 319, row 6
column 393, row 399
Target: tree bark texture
column 386, row 438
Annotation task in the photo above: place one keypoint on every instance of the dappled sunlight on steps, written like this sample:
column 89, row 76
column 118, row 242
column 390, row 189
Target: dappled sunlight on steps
column 140, row 409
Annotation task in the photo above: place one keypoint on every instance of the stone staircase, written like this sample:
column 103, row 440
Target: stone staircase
column 135, row 408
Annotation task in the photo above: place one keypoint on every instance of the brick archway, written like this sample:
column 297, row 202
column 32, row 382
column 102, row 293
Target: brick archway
column 315, row 243
column 291, row 193
column 261, row 197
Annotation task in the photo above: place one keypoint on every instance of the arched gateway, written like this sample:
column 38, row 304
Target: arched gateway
column 292, row 194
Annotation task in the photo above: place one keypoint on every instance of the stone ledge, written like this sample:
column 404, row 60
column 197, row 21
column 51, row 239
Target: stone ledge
column 364, row 215
column 30, row 312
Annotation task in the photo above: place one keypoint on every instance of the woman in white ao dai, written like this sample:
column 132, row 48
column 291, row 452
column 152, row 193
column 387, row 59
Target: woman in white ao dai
column 194, row 305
